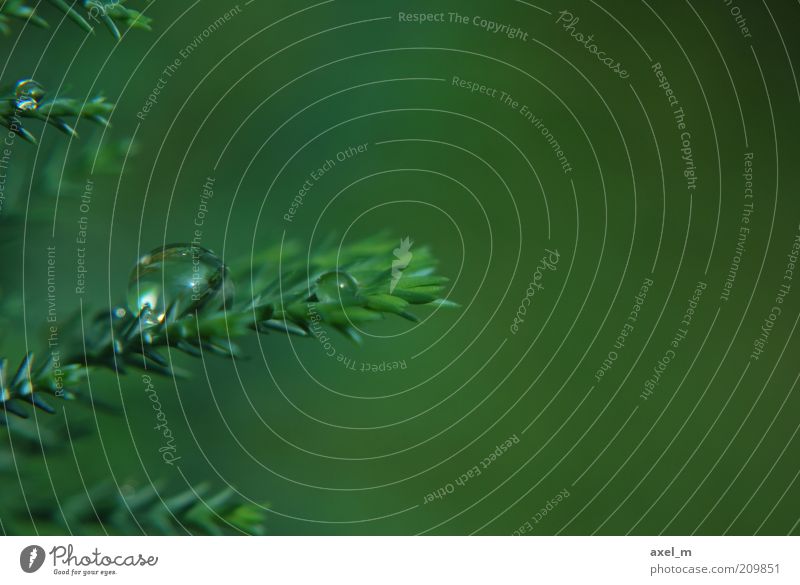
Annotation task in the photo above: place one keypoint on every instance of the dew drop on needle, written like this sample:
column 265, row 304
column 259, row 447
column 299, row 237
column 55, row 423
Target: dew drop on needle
column 178, row 278
column 336, row 286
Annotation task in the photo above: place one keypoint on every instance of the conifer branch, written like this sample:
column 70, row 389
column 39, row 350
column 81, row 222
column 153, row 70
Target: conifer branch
column 294, row 301
column 27, row 100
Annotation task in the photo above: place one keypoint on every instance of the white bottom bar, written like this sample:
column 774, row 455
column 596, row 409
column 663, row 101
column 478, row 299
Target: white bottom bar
column 404, row 560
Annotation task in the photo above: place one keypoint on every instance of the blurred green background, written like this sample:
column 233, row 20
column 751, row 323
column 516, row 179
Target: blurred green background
column 265, row 99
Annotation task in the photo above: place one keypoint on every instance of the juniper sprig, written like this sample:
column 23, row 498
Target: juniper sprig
column 343, row 288
column 26, row 99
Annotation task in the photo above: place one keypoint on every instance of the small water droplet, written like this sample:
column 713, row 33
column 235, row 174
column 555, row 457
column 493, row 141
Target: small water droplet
column 27, row 94
column 336, row 286
column 178, row 277
column 26, row 104
column 98, row 331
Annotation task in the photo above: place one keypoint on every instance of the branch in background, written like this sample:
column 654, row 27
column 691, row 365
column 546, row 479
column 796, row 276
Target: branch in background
column 196, row 510
column 20, row 10
column 27, row 437
column 27, row 99
column 112, row 13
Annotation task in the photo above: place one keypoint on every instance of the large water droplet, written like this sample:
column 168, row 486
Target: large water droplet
column 179, row 279
column 336, row 286
column 27, row 94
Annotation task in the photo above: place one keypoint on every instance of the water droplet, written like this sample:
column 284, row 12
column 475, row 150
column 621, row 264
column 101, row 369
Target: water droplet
column 336, row 286
column 26, row 104
column 178, row 277
column 98, row 330
column 27, row 94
